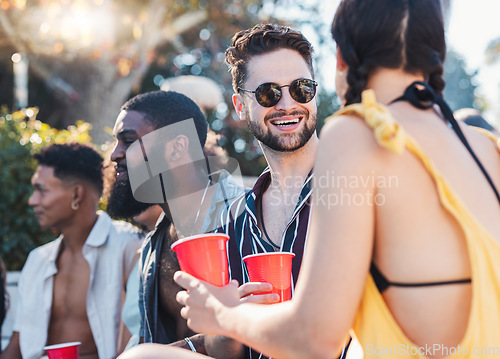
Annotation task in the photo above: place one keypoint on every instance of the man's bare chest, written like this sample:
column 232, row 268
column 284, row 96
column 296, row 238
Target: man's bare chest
column 71, row 284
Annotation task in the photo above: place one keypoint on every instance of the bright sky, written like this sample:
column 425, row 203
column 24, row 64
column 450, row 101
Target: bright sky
column 472, row 25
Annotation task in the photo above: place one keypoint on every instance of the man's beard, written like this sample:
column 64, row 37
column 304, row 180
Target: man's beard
column 121, row 202
column 284, row 142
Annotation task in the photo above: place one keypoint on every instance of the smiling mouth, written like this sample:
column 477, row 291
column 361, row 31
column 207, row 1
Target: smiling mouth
column 284, row 123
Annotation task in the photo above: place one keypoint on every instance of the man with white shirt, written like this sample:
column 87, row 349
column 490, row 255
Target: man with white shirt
column 72, row 289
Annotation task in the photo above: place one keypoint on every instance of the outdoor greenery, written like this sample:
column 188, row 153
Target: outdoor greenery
column 21, row 135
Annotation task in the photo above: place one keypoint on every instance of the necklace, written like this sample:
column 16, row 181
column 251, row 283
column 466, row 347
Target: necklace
column 264, row 227
column 199, row 209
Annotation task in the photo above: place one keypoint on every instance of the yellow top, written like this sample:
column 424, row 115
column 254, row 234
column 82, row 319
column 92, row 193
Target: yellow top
column 375, row 327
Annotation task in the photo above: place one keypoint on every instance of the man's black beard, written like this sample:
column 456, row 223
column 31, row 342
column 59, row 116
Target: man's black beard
column 121, row 202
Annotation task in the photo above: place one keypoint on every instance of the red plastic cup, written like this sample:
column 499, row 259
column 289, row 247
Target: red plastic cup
column 205, row 257
column 274, row 268
column 63, row 351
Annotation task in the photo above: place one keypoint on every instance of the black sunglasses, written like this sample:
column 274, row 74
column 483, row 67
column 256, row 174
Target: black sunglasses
column 269, row 93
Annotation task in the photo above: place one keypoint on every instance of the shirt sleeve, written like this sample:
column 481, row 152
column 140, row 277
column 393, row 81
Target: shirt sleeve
column 142, row 255
column 23, row 278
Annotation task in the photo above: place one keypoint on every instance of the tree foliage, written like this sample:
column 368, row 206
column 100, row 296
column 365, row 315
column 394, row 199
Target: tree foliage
column 87, row 57
column 94, row 54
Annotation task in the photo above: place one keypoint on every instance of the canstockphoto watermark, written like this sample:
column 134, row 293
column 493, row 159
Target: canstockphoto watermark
column 339, row 190
column 432, row 350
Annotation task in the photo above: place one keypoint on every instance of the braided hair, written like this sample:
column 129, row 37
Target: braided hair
column 395, row 34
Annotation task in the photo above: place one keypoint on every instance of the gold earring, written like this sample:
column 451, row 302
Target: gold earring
column 75, row 206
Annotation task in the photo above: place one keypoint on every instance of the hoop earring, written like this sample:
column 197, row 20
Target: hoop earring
column 75, row 206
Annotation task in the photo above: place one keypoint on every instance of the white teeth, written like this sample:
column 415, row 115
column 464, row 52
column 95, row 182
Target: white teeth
column 285, row 123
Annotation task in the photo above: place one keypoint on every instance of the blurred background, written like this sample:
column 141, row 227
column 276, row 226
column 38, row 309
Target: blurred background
column 67, row 66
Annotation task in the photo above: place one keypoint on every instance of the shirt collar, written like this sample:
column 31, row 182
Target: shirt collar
column 102, row 225
column 228, row 188
column 261, row 185
column 55, row 249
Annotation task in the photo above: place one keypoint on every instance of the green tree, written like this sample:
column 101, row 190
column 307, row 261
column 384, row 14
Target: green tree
column 94, row 54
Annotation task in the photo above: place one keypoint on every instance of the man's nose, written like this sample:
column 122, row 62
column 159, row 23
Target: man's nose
column 286, row 101
column 33, row 199
column 118, row 152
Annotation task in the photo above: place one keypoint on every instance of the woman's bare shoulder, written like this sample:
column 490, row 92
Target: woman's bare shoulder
column 349, row 137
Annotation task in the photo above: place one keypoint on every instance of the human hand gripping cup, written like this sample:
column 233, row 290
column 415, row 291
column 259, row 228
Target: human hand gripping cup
column 205, row 257
column 205, row 303
column 274, row 268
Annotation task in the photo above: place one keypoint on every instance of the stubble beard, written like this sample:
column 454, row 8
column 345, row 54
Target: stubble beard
column 286, row 142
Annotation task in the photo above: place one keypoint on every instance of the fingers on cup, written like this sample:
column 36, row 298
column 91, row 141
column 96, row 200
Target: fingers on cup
column 254, row 288
column 186, row 280
column 270, row 298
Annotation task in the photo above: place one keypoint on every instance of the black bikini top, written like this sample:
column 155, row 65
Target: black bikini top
column 383, row 283
column 422, row 96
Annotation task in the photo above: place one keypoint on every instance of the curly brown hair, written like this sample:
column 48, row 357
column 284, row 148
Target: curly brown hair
column 261, row 39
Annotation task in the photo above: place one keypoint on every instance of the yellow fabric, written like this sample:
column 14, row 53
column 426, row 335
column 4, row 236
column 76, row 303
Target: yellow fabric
column 488, row 134
column 375, row 327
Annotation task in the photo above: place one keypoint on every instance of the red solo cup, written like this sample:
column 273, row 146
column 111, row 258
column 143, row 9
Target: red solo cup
column 274, row 268
column 63, row 351
column 205, row 257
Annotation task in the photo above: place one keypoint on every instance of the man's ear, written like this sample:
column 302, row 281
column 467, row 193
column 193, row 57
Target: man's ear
column 79, row 192
column 239, row 106
column 178, row 147
column 341, row 65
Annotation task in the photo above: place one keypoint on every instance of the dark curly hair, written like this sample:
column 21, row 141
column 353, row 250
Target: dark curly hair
column 163, row 108
column 261, row 39
column 396, row 34
column 73, row 161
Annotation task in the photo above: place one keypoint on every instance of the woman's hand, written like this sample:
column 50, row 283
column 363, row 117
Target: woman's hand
column 255, row 292
column 204, row 304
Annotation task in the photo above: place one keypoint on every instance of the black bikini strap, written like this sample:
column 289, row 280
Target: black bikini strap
column 422, row 96
column 383, row 283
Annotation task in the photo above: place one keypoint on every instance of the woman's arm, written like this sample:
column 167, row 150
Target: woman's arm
column 316, row 322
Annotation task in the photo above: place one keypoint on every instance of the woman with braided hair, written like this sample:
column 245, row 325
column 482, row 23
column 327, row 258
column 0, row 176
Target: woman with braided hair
column 400, row 249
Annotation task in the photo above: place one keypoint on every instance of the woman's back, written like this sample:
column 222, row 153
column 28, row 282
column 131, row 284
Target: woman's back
column 404, row 242
column 417, row 239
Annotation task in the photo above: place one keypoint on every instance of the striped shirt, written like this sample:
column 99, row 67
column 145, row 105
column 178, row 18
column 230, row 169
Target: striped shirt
column 246, row 237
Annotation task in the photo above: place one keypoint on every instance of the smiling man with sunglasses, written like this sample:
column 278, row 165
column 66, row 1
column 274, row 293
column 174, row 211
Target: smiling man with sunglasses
column 274, row 86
